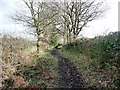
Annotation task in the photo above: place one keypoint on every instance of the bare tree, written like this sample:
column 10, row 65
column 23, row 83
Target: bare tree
column 37, row 16
column 77, row 14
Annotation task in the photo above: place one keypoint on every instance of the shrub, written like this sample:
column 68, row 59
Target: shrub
column 104, row 53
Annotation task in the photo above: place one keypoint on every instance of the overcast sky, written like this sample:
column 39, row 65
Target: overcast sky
column 108, row 23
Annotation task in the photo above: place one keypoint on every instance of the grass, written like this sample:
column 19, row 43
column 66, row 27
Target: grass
column 40, row 72
column 91, row 68
column 83, row 64
column 97, row 58
column 43, row 71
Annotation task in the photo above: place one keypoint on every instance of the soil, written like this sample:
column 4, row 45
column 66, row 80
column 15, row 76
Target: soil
column 69, row 77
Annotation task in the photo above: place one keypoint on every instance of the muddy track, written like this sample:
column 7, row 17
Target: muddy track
column 69, row 77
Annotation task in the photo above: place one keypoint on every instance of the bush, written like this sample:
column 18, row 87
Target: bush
column 103, row 48
column 104, row 53
column 8, row 83
column 53, row 41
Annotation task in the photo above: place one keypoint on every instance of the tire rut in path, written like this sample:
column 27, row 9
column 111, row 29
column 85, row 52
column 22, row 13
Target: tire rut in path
column 69, row 77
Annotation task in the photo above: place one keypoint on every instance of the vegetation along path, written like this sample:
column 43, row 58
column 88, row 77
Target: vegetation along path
column 69, row 77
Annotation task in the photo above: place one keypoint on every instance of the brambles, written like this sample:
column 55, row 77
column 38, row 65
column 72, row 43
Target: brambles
column 21, row 65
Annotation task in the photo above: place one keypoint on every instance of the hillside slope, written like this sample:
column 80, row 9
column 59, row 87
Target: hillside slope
column 97, row 58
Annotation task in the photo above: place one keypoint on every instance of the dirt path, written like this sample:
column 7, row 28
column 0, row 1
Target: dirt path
column 69, row 77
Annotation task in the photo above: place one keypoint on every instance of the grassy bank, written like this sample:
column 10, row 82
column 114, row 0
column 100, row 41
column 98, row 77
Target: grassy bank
column 43, row 72
column 97, row 59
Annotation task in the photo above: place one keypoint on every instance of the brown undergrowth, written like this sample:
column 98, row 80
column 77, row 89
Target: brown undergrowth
column 23, row 69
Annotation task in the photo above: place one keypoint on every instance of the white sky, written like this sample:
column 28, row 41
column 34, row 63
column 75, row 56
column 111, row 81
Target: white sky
column 108, row 23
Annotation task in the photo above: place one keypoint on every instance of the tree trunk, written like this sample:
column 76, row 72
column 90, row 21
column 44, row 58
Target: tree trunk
column 38, row 44
column 70, row 37
column 67, row 38
column 74, row 38
column 64, row 39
